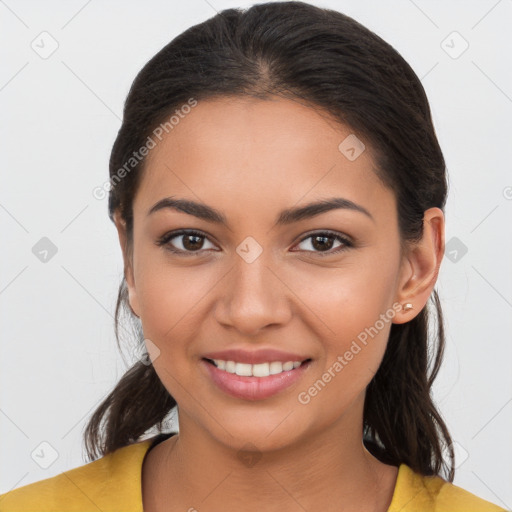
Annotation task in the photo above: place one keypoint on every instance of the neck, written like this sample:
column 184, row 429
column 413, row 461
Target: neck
column 194, row 471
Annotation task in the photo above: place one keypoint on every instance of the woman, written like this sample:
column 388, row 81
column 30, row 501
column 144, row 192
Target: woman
column 278, row 191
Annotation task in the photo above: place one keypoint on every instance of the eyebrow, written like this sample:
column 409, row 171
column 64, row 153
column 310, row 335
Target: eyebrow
column 287, row 216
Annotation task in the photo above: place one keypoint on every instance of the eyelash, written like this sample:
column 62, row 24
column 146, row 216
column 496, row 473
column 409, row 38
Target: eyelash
column 165, row 240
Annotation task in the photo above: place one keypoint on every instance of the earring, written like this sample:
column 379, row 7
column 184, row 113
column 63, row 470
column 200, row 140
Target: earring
column 407, row 307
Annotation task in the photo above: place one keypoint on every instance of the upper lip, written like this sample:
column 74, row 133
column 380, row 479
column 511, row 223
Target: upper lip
column 254, row 356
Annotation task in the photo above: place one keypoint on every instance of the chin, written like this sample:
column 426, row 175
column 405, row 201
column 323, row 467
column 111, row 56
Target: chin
column 254, row 429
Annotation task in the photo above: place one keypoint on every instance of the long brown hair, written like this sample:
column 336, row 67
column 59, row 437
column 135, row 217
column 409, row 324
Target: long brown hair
column 327, row 59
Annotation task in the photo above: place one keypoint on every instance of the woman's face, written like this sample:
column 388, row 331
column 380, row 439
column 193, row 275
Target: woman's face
column 260, row 282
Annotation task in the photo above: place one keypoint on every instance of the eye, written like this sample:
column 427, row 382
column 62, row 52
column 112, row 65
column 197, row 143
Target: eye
column 189, row 242
column 322, row 242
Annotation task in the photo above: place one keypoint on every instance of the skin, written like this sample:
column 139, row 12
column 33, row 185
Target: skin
column 250, row 159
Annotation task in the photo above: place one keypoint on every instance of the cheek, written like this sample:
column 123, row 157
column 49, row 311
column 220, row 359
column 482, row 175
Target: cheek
column 169, row 295
column 353, row 313
column 351, row 360
column 343, row 301
column 170, row 304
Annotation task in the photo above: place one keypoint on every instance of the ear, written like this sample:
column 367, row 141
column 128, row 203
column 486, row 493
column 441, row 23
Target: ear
column 128, row 263
column 420, row 266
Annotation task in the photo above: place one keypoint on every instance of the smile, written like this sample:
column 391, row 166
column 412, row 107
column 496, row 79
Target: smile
column 255, row 370
column 258, row 381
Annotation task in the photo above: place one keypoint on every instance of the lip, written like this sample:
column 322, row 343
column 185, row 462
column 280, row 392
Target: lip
column 253, row 388
column 255, row 356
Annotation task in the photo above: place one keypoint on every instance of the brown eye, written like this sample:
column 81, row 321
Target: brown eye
column 192, row 242
column 184, row 241
column 323, row 242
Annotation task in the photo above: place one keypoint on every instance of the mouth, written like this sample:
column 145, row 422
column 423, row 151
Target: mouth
column 256, row 381
column 260, row 370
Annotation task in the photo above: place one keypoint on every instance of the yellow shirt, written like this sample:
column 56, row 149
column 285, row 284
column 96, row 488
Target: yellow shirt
column 113, row 483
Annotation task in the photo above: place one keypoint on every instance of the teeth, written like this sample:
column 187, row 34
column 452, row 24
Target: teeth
column 256, row 370
column 230, row 366
column 276, row 367
column 243, row 369
column 261, row 370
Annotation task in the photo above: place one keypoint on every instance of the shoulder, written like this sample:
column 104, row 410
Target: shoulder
column 418, row 493
column 110, row 483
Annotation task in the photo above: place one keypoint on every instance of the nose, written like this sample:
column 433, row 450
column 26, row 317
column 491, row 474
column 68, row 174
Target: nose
column 253, row 298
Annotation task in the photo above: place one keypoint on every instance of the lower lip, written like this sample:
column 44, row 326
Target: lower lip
column 254, row 388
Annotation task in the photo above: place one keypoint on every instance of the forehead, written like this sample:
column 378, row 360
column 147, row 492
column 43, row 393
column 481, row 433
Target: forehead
column 271, row 151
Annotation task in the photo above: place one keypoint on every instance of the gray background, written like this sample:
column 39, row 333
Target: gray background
column 60, row 115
